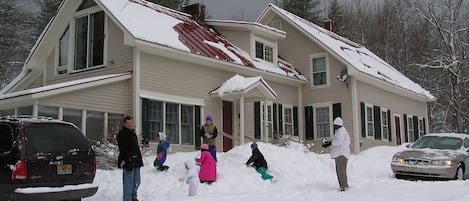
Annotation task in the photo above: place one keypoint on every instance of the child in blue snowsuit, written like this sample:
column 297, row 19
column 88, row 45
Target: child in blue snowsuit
column 161, row 152
column 259, row 163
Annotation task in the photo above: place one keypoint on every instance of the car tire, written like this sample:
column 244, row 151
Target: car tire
column 399, row 176
column 459, row 173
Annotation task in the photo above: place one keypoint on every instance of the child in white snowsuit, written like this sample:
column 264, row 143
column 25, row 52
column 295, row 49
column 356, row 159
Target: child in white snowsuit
column 191, row 177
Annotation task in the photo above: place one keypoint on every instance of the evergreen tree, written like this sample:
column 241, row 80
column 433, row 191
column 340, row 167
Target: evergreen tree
column 336, row 14
column 305, row 9
column 48, row 9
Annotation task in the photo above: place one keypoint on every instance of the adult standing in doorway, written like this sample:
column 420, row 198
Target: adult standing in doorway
column 340, row 152
column 209, row 134
column 130, row 159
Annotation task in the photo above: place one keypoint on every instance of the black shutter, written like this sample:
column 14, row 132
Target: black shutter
column 336, row 110
column 197, row 126
column 377, row 121
column 275, row 121
column 389, row 126
column 406, row 135
column 257, row 120
column 362, row 110
column 146, row 127
column 415, row 120
column 280, row 119
column 309, row 122
column 424, row 127
column 295, row 121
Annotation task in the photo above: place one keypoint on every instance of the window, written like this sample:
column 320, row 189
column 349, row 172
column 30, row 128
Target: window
column 94, row 125
column 421, row 128
column 28, row 110
column 8, row 112
column 288, row 120
column 322, row 121
column 89, row 41
column 175, row 120
column 48, row 111
column 384, row 125
column 6, row 139
column 410, row 128
column 264, row 51
column 369, row 122
column 319, row 72
column 466, row 143
column 73, row 116
column 63, row 53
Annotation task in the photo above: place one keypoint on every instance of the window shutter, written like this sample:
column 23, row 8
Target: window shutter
column 275, row 121
column 362, row 111
column 309, row 122
column 377, row 122
column 295, row 121
column 406, row 134
column 336, row 110
column 257, row 120
column 424, row 127
column 146, row 130
column 415, row 120
column 197, row 126
column 389, row 126
column 280, row 119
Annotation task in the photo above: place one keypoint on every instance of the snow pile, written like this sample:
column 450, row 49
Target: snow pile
column 302, row 176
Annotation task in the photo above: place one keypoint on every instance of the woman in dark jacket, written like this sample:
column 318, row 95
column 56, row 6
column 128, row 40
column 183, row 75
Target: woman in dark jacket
column 259, row 163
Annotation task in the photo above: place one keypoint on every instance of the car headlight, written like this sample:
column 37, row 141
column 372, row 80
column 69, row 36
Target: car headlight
column 442, row 162
column 398, row 160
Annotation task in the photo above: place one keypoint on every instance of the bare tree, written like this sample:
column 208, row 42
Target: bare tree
column 450, row 57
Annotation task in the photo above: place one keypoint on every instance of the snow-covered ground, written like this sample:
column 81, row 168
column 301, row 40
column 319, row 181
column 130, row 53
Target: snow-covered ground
column 302, row 175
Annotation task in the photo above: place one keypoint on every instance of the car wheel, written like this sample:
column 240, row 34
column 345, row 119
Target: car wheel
column 399, row 176
column 459, row 173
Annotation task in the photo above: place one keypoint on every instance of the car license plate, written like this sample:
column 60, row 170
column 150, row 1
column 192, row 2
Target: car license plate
column 64, row 169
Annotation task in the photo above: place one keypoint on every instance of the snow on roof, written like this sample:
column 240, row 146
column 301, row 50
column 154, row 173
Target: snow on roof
column 211, row 21
column 239, row 83
column 60, row 85
column 160, row 25
column 357, row 55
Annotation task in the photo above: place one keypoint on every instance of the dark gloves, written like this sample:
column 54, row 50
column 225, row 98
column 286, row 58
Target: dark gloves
column 326, row 143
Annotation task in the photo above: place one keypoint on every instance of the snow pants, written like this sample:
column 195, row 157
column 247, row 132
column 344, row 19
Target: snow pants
column 264, row 174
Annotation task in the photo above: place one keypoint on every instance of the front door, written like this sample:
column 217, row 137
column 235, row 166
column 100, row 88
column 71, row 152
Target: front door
column 227, row 125
column 397, row 127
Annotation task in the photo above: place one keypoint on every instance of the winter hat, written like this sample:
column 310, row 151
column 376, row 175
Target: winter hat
column 338, row 121
column 189, row 164
column 204, row 146
column 209, row 117
column 253, row 145
column 162, row 136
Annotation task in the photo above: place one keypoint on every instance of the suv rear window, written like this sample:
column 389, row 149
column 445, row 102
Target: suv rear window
column 54, row 138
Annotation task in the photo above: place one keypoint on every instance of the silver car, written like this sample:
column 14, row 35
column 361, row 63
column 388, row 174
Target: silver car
column 439, row 155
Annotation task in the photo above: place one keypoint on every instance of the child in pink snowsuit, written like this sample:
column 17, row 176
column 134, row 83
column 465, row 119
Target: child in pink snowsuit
column 208, row 166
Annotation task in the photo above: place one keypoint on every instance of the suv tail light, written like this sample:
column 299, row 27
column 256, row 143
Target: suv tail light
column 94, row 166
column 20, row 172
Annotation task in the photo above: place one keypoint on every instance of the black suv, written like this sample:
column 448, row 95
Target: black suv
column 44, row 159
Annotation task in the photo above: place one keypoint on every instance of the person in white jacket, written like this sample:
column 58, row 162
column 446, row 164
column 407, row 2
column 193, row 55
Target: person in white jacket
column 340, row 152
column 191, row 177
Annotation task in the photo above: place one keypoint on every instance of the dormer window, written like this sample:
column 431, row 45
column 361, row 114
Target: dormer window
column 264, row 51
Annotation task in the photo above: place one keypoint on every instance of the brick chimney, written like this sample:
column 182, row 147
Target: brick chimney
column 197, row 11
column 329, row 25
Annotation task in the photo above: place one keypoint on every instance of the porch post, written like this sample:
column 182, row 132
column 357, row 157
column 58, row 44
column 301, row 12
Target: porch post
column 265, row 134
column 241, row 121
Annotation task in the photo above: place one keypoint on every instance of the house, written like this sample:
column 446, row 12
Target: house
column 99, row 60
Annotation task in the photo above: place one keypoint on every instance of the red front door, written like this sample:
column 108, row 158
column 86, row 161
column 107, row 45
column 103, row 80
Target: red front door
column 227, row 125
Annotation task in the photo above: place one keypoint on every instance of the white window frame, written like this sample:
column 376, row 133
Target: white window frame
column 384, row 125
column 372, row 122
column 284, row 119
column 410, row 134
column 265, row 43
column 71, row 44
column 326, row 58
column 315, row 119
column 270, row 117
column 421, row 127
